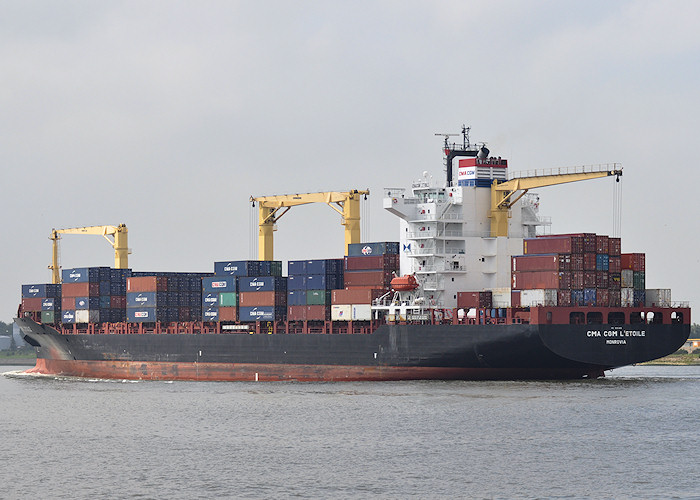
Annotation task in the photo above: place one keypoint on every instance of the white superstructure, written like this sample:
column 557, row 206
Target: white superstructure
column 445, row 238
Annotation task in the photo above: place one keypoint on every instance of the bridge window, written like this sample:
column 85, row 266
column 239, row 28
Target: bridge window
column 594, row 318
column 616, row 318
column 655, row 318
column 676, row 317
column 576, row 318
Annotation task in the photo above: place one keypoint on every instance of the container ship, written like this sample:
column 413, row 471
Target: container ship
column 473, row 290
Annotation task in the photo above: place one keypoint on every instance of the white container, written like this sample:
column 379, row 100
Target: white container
column 341, row 312
column 627, row 297
column 538, row 297
column 361, row 312
column 87, row 316
column 627, row 278
column 660, row 297
column 501, row 297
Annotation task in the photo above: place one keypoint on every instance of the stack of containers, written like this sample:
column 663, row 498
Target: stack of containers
column 632, row 279
column 42, row 302
column 262, row 298
column 85, row 295
column 164, row 297
column 369, row 269
column 309, row 287
column 574, row 270
column 221, row 298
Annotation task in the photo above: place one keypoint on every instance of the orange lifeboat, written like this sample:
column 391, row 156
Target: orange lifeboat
column 404, row 283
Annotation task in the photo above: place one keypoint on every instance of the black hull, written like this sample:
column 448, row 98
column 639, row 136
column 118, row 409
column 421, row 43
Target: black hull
column 392, row 352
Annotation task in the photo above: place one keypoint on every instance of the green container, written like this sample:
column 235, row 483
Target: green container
column 639, row 280
column 318, row 297
column 228, row 299
column 48, row 316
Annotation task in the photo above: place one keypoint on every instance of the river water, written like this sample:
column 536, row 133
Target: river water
column 633, row 434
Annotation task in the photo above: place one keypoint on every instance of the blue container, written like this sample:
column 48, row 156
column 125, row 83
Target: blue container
column 210, row 299
column 68, row 316
column 262, row 313
column 380, row 248
column 602, row 262
column 322, row 282
column 41, row 290
column 589, row 296
column 149, row 299
column 151, row 314
column 105, row 288
column 210, row 314
column 81, row 275
column 577, row 297
column 237, row 268
column 262, row 284
column 296, row 298
column 639, row 298
column 295, row 267
column 219, row 284
column 324, row 266
column 117, row 288
column 87, row 302
column 296, row 282
column 48, row 304
column 269, row 268
column 105, row 301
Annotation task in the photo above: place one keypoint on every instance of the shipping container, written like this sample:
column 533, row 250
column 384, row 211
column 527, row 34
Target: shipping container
column 564, row 298
column 577, row 262
column 614, row 246
column 602, row 262
column 541, row 280
column 553, row 244
column 515, row 298
column 87, row 303
column 341, row 312
column 590, row 296
column 577, row 297
column 356, row 295
column 50, row 304
column 627, row 278
column 626, row 297
column 318, row 297
column 210, row 314
column 361, row 312
column 87, row 316
column 538, row 297
column 386, row 262
column 658, row 297
column 615, row 281
column 228, row 299
column 41, row 290
column 639, row 298
column 151, row 314
column 368, row 249
column 602, row 244
column 147, row 284
column 262, row 313
column 296, row 267
column 501, row 297
column 323, row 282
column 374, row 279
column 228, row 313
column 614, row 263
column 589, row 261
column 48, row 317
column 210, row 299
column 296, row 282
column 117, row 301
column 577, row 280
column 219, row 284
column 638, row 280
column 589, row 279
column 32, row 304
column 68, row 316
column 633, row 261
column 264, row 298
column 262, row 284
column 81, row 275
column 148, row 299
column 324, row 266
column 614, row 298
column 296, row 297
column 601, row 279
column 549, row 262
column 80, row 289
column 602, row 297
column 477, row 299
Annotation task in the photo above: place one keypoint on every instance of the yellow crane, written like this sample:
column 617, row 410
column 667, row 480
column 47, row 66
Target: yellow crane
column 271, row 208
column 506, row 193
column 119, row 242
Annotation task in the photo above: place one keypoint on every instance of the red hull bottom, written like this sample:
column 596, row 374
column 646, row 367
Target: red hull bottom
column 135, row 370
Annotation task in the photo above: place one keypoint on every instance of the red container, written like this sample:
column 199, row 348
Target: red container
column 589, row 261
column 515, row 298
column 614, row 263
column 553, row 244
column 577, row 280
column 80, row 289
column 602, row 297
column 375, row 279
column 147, row 284
column 540, row 279
column 614, row 298
column 564, row 298
column 589, row 279
column 552, row 262
column 256, row 299
column 614, row 246
column 633, row 261
column 601, row 279
column 356, row 295
column 228, row 314
column 386, row 262
column 615, row 281
column 309, row 313
column 67, row 303
column 468, row 300
column 577, row 262
column 601, row 244
column 33, row 304
column 117, row 301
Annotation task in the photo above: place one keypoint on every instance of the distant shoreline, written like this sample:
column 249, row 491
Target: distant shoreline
column 676, row 360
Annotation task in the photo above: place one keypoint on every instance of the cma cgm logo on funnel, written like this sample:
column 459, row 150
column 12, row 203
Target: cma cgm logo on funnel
column 366, row 250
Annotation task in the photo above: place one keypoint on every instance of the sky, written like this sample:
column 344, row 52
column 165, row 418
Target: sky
column 168, row 115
